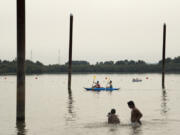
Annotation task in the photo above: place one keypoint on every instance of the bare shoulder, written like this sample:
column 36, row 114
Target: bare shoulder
column 137, row 111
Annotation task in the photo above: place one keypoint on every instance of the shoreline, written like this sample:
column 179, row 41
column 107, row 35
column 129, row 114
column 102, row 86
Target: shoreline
column 14, row 74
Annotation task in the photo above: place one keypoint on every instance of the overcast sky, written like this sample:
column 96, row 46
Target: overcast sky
column 103, row 29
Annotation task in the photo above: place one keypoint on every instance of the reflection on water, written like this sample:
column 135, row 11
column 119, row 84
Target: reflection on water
column 51, row 111
column 136, row 131
column 116, row 129
column 70, row 103
column 20, row 126
column 70, row 107
column 164, row 107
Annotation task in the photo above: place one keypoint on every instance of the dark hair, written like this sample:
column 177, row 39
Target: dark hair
column 113, row 111
column 131, row 103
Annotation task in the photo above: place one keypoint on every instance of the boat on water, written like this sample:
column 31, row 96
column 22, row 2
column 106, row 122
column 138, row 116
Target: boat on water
column 136, row 80
column 101, row 89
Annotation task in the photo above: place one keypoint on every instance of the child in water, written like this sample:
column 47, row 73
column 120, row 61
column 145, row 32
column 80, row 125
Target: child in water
column 112, row 117
column 135, row 114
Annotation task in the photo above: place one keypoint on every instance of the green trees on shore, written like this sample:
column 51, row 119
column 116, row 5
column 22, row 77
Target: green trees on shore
column 122, row 66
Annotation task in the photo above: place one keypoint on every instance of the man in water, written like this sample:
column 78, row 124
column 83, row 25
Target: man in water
column 135, row 113
column 113, row 118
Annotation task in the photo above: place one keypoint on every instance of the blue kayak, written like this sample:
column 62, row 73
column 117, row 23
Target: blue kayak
column 99, row 89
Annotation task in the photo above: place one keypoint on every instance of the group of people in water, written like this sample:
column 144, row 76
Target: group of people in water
column 136, row 115
column 97, row 85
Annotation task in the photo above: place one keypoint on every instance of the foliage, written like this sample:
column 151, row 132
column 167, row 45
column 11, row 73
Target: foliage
column 121, row 66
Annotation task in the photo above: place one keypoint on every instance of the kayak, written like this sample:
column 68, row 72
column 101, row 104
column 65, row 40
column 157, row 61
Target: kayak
column 99, row 89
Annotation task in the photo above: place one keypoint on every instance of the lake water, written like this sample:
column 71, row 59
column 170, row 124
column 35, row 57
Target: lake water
column 51, row 111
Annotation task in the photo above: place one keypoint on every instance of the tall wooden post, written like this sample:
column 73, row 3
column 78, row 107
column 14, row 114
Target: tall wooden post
column 163, row 56
column 20, row 112
column 70, row 52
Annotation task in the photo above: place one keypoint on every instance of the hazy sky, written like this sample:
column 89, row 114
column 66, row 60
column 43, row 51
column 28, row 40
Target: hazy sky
column 103, row 29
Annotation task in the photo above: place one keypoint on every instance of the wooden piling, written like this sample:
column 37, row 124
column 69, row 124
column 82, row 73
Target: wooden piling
column 20, row 106
column 163, row 56
column 70, row 52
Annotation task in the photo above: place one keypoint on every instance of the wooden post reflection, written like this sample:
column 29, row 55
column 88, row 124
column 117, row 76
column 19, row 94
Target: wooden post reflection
column 70, row 104
column 164, row 107
column 70, row 107
column 20, row 126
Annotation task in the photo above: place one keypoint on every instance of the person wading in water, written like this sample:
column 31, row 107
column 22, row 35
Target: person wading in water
column 112, row 117
column 136, row 115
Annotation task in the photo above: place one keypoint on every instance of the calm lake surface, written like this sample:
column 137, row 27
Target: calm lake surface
column 51, row 111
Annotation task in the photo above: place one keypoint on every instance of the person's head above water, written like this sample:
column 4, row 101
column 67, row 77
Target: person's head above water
column 112, row 117
column 131, row 104
column 113, row 111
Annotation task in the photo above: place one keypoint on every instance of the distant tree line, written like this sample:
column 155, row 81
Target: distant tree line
column 122, row 66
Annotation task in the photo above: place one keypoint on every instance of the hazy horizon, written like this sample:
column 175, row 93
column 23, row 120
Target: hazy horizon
column 103, row 30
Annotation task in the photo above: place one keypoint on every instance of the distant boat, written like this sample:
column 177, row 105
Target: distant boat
column 101, row 89
column 136, row 80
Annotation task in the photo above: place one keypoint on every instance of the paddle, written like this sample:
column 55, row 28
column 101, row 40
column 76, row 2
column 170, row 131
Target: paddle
column 94, row 77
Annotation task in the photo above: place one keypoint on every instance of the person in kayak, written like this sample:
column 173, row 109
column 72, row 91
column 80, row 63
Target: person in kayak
column 97, row 85
column 112, row 117
column 136, row 115
column 110, row 84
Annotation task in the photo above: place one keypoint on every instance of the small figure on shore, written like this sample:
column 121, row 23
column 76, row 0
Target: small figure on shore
column 112, row 117
column 110, row 84
column 97, row 85
column 135, row 113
